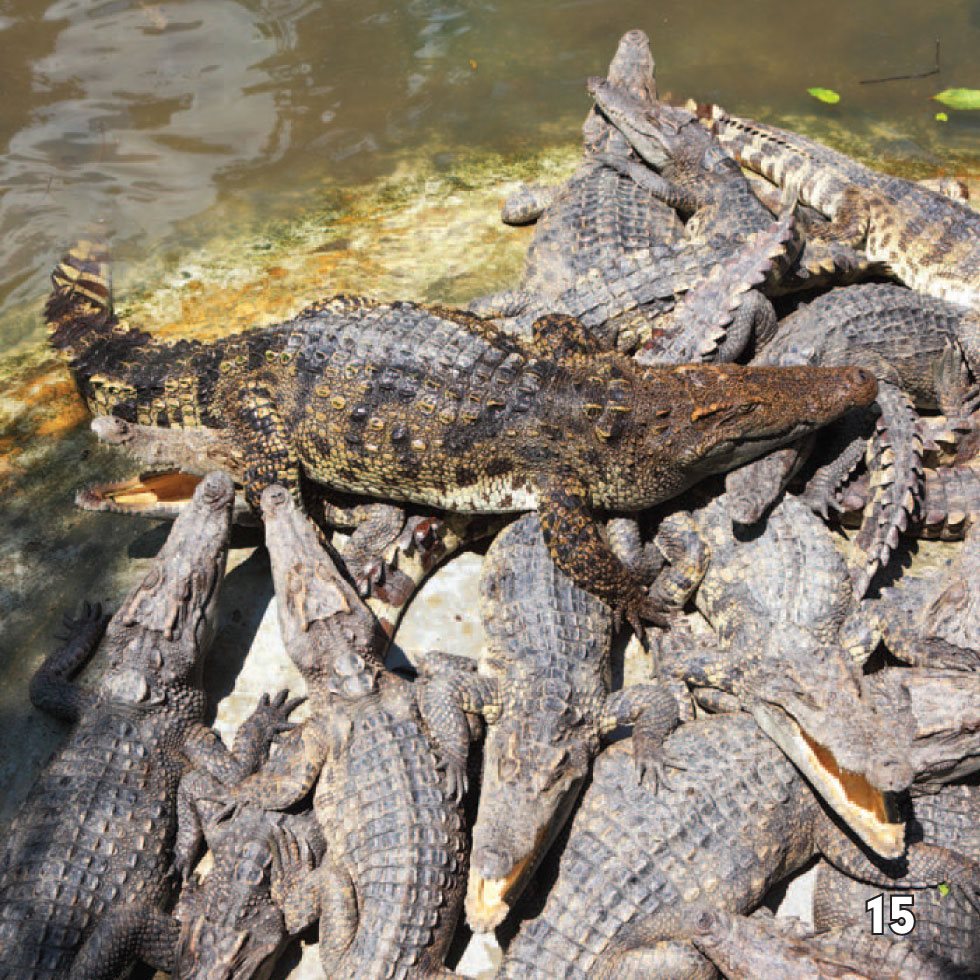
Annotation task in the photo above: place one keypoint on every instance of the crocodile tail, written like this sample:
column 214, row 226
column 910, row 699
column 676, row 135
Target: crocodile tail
column 895, row 462
column 79, row 307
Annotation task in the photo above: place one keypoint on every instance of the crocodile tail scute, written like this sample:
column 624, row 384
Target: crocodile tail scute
column 80, row 302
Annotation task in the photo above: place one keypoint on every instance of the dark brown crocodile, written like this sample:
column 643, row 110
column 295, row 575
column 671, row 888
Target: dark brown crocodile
column 734, row 817
column 945, row 927
column 390, row 886
column 786, row 635
column 928, row 240
column 543, row 689
column 434, row 406
column 85, row 869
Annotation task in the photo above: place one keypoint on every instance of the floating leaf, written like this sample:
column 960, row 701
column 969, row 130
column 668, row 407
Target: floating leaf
column 960, row 98
column 942, row 117
column 943, row 889
column 827, row 95
column 473, row 64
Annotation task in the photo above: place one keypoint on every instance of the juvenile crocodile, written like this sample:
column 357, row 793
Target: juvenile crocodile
column 390, row 886
column 934, row 619
column 922, row 350
column 945, row 927
column 928, row 240
column 434, row 406
column 761, row 945
column 786, row 633
column 85, row 869
column 543, row 689
column 735, row 817
column 231, row 926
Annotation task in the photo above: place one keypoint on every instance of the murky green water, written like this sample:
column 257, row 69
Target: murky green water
column 249, row 156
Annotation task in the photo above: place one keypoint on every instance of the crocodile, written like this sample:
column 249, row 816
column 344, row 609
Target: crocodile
column 390, row 886
column 734, row 818
column 942, row 708
column 543, row 689
column 786, row 632
column 928, row 240
column 923, row 351
column 231, row 926
column 747, row 947
column 945, row 927
column 388, row 555
column 934, row 619
column 85, row 869
column 434, row 406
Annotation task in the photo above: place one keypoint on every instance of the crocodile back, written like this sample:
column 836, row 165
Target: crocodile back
column 392, row 829
column 96, row 830
column 732, row 821
column 790, row 572
column 599, row 216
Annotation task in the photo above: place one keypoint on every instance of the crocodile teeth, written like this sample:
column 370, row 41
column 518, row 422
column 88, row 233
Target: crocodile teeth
column 486, row 898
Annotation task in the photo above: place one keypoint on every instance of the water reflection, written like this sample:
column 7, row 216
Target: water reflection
column 151, row 114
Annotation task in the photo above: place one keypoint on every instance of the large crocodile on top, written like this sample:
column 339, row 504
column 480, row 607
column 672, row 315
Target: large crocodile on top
column 435, row 406
column 928, row 240
column 85, row 869
column 543, row 689
column 390, row 886
column 734, row 818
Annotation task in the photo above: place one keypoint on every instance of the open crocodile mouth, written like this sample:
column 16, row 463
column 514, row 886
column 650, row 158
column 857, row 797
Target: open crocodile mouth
column 870, row 812
column 143, row 494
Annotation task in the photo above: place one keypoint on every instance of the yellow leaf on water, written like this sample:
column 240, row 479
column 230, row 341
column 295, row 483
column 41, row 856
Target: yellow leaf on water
column 827, row 95
column 472, row 64
column 942, row 117
column 959, row 98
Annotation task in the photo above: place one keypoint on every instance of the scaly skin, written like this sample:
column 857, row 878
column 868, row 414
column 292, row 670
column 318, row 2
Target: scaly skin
column 231, row 926
column 787, row 632
column 928, row 240
column 543, row 689
column 434, row 406
column 85, row 869
column 745, row 948
column 734, row 818
column 390, row 886
column 945, row 928
column 934, row 620
column 918, row 347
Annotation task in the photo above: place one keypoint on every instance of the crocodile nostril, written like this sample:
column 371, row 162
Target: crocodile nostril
column 216, row 490
column 491, row 862
column 273, row 498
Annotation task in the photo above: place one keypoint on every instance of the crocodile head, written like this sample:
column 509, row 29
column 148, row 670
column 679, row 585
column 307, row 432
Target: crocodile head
column 328, row 632
column 230, row 929
column 631, row 69
column 159, row 635
column 532, row 771
column 668, row 138
column 811, row 700
column 691, row 421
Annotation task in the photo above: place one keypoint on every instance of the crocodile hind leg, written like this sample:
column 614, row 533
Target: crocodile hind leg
column 124, row 934
column 375, row 528
column 850, row 221
column 895, row 461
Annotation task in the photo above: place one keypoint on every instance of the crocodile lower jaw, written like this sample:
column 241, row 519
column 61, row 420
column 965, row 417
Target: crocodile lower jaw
column 864, row 808
column 142, row 494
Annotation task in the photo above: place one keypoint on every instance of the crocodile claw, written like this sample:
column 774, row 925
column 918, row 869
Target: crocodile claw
column 456, row 781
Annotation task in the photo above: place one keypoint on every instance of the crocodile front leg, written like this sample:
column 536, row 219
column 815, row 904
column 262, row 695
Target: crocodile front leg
column 338, row 913
column 127, row 933
column 527, row 204
column 652, row 711
column 851, row 219
column 578, row 547
column 52, row 689
column 444, row 702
